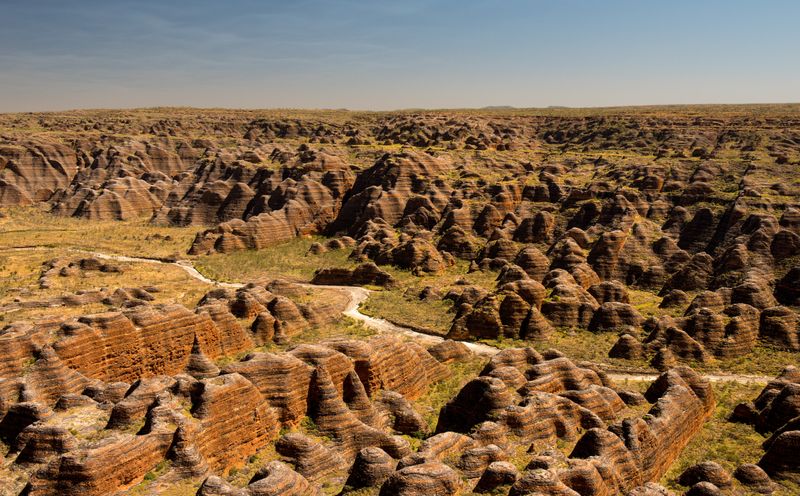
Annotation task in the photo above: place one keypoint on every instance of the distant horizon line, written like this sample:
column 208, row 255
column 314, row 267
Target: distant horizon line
column 403, row 109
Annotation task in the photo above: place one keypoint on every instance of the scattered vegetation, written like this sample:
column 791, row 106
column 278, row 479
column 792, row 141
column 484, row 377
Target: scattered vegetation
column 431, row 316
column 727, row 443
column 578, row 344
column 344, row 328
column 443, row 391
column 147, row 485
column 287, row 259
column 761, row 360
column 20, row 271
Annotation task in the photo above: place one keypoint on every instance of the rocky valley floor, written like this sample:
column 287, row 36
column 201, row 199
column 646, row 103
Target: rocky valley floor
column 557, row 302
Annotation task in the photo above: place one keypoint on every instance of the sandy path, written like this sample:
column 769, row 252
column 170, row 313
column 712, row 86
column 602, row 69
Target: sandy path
column 358, row 295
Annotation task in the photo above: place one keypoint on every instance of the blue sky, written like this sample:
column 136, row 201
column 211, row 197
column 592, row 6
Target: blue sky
column 387, row 55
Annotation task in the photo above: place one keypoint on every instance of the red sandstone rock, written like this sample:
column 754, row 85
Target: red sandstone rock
column 431, row 478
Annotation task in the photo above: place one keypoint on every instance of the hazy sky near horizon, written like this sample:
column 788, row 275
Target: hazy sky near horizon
column 395, row 54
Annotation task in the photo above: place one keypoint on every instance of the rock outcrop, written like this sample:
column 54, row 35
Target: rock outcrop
column 776, row 411
column 677, row 230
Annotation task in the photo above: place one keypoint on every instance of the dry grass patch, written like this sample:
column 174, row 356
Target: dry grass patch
column 429, row 316
column 646, row 303
column 403, row 306
column 33, row 226
column 344, row 328
column 727, row 443
column 761, row 360
column 288, row 259
column 20, row 271
column 577, row 345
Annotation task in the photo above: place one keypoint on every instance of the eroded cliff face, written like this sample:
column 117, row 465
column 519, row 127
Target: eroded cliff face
column 33, row 171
